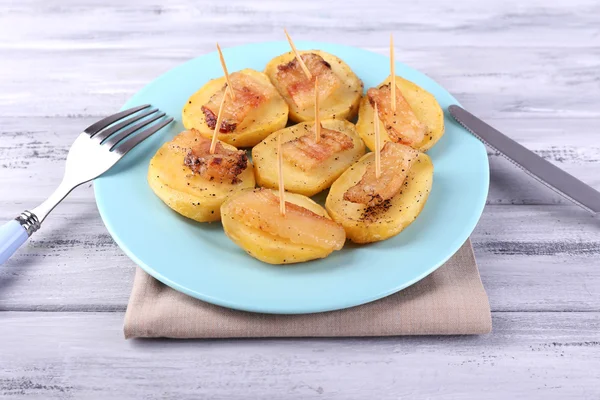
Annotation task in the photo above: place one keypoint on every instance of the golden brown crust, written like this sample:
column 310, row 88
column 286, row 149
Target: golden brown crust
column 248, row 95
column 402, row 125
column 211, row 121
column 306, row 153
column 396, row 160
column 223, row 166
column 299, row 87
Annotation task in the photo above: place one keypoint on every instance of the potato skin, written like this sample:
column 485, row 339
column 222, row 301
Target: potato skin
column 191, row 195
column 342, row 104
column 402, row 211
column 424, row 105
column 257, row 125
column 269, row 248
column 310, row 182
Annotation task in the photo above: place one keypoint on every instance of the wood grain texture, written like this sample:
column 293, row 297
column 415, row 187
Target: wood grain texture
column 537, row 58
column 42, row 144
column 549, row 265
column 83, row 355
column 532, row 69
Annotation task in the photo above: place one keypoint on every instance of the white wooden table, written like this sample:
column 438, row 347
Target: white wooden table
column 531, row 68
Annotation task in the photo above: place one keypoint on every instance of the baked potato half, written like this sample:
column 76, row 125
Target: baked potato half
column 340, row 89
column 257, row 110
column 308, row 167
column 424, row 106
column 193, row 183
column 380, row 217
column 253, row 221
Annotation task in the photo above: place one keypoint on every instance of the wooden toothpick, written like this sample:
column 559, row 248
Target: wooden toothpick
column 213, row 142
column 302, row 65
column 280, row 175
column 392, row 73
column 377, row 144
column 317, row 117
column 224, row 66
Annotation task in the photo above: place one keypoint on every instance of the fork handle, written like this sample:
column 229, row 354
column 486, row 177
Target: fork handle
column 14, row 233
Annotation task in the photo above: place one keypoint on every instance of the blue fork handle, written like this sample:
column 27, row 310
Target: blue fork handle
column 12, row 236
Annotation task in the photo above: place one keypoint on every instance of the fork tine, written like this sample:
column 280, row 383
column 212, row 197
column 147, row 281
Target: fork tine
column 140, row 137
column 103, row 123
column 108, row 132
column 114, row 140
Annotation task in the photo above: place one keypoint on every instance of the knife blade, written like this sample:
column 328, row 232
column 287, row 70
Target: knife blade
column 543, row 171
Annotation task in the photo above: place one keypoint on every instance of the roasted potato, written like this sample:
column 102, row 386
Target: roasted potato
column 380, row 220
column 253, row 221
column 257, row 111
column 197, row 195
column 423, row 104
column 340, row 89
column 308, row 168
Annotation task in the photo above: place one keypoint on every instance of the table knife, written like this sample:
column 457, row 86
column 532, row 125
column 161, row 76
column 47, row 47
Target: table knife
column 543, row 171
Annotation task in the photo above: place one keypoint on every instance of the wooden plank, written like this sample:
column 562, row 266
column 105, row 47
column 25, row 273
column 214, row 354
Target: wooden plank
column 112, row 24
column 33, row 151
column 531, row 258
column 500, row 59
column 539, row 258
column 84, row 355
column 494, row 83
column 530, row 68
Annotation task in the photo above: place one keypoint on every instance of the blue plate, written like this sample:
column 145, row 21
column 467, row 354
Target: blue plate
column 199, row 260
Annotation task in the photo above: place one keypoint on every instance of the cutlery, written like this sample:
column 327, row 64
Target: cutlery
column 543, row 171
column 94, row 152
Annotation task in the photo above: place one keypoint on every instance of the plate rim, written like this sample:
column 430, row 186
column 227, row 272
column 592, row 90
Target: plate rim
column 344, row 304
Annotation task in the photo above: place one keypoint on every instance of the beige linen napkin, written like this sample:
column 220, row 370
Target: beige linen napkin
column 450, row 301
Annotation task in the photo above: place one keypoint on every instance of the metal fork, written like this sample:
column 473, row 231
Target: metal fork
column 94, row 152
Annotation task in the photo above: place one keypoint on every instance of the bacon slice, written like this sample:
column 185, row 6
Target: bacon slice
column 249, row 94
column 403, row 125
column 259, row 209
column 305, row 153
column 299, row 87
column 396, row 161
column 223, row 166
